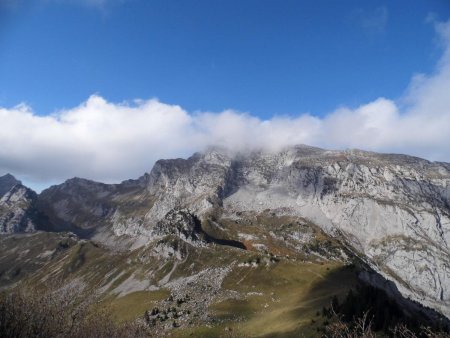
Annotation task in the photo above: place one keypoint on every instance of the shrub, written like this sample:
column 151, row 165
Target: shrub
column 65, row 312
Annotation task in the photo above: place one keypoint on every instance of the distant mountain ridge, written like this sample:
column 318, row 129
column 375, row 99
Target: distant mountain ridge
column 392, row 210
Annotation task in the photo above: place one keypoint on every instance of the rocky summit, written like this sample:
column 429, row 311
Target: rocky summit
column 230, row 240
column 17, row 206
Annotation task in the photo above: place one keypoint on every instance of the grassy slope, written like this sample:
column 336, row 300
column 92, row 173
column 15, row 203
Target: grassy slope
column 22, row 255
column 276, row 300
column 281, row 301
column 133, row 305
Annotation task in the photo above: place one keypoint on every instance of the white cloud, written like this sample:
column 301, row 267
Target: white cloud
column 110, row 142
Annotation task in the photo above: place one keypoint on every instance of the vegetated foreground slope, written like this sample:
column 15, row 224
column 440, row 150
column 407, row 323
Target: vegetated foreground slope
column 258, row 234
column 196, row 286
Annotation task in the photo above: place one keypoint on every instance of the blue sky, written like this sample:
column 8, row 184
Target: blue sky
column 262, row 57
column 103, row 88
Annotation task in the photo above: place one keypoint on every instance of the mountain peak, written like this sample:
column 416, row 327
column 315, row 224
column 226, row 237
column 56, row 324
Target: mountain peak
column 8, row 176
column 7, row 182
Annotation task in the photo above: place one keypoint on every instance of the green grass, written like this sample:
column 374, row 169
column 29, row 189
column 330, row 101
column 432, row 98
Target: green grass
column 276, row 300
column 133, row 305
column 204, row 332
column 24, row 254
column 292, row 293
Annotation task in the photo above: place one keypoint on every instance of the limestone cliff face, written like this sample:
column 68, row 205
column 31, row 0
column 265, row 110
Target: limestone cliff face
column 196, row 183
column 17, row 206
column 393, row 210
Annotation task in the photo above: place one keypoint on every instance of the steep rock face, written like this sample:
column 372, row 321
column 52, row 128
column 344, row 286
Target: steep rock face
column 86, row 207
column 6, row 183
column 394, row 210
column 182, row 224
column 134, row 207
column 76, row 204
column 17, row 206
column 197, row 183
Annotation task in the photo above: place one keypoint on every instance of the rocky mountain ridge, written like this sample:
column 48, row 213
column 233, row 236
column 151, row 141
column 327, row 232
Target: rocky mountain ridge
column 17, row 206
column 392, row 210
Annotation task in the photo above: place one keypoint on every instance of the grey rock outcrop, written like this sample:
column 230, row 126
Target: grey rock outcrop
column 85, row 206
column 393, row 210
column 6, row 183
column 182, row 224
column 17, row 206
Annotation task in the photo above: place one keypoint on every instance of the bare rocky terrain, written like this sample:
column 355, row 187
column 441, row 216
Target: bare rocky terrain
column 207, row 242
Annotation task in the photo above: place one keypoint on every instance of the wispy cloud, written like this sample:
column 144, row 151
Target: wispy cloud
column 373, row 22
column 113, row 141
